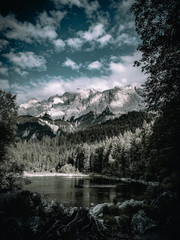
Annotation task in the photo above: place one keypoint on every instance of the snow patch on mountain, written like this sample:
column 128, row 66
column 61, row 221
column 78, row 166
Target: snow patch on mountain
column 57, row 100
column 26, row 133
column 53, row 127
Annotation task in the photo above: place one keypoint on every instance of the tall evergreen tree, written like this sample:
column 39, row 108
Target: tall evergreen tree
column 158, row 23
column 10, row 170
column 8, row 116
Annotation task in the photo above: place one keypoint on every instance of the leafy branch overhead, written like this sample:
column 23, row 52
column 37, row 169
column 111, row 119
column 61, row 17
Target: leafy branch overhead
column 157, row 24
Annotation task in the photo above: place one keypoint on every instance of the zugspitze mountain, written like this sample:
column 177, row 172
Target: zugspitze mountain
column 73, row 105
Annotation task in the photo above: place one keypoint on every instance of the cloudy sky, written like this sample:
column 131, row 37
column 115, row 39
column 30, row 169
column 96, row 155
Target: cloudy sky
column 48, row 47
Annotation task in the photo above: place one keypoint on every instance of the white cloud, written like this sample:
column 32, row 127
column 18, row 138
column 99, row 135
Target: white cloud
column 125, row 39
column 4, row 84
column 124, row 72
column 93, row 33
column 76, row 3
column 27, row 32
column 121, row 73
column 59, row 44
column 117, row 68
column 3, row 70
column 104, row 40
column 75, row 43
column 27, row 60
column 123, row 18
column 57, row 16
column 98, row 83
column 95, row 65
column 126, row 4
column 56, row 85
column 44, row 19
column 53, row 20
column 126, row 25
column 3, row 43
column 40, row 89
column 89, row 6
column 122, row 6
column 71, row 64
column 20, row 72
column 44, row 28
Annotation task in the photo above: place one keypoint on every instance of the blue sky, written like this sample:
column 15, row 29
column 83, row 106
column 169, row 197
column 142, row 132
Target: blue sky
column 48, row 47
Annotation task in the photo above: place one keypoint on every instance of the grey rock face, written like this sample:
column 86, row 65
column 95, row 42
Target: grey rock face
column 118, row 100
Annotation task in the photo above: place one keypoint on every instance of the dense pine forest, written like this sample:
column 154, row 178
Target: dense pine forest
column 113, row 147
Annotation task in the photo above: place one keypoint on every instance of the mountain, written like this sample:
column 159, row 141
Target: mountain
column 75, row 111
column 73, row 105
column 29, row 127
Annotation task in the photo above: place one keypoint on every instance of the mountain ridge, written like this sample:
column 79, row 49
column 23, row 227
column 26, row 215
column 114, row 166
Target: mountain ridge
column 73, row 105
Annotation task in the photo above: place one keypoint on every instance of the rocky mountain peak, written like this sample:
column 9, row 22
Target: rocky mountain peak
column 117, row 100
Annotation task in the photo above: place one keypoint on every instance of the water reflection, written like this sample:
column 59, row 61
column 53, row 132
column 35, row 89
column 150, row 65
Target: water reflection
column 82, row 191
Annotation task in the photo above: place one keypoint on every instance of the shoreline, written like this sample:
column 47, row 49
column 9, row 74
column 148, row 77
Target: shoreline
column 113, row 178
column 50, row 174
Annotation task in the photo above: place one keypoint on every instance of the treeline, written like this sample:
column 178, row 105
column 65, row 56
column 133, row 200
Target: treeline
column 116, row 148
column 110, row 128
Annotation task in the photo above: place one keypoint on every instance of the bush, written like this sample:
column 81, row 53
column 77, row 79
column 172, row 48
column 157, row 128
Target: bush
column 67, row 168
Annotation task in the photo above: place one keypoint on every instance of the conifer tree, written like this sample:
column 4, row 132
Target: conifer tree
column 10, row 170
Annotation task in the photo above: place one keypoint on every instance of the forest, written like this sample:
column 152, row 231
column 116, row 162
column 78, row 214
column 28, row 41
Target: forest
column 122, row 147
column 114, row 147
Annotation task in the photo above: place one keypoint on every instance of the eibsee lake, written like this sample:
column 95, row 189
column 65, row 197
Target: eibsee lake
column 82, row 191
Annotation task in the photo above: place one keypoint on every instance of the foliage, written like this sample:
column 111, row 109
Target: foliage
column 110, row 128
column 10, row 170
column 27, row 215
column 8, row 116
column 157, row 24
column 13, row 175
column 67, row 168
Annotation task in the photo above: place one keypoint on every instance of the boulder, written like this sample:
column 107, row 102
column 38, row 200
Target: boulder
column 98, row 209
column 141, row 223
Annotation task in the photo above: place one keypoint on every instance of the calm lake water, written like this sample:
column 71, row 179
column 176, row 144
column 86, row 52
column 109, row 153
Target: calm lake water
column 82, row 191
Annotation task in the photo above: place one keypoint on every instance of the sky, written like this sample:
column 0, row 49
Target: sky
column 49, row 47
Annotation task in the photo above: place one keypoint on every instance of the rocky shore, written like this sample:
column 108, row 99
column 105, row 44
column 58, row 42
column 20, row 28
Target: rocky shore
column 27, row 215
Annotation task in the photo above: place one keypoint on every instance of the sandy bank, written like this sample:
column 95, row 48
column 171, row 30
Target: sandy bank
column 49, row 174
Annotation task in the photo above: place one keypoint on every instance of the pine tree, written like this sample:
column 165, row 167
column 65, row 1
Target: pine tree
column 10, row 170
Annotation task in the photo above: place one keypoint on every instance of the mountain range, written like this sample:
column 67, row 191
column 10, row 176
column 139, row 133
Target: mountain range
column 76, row 110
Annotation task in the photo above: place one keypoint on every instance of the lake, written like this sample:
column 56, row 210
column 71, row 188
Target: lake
column 82, row 191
